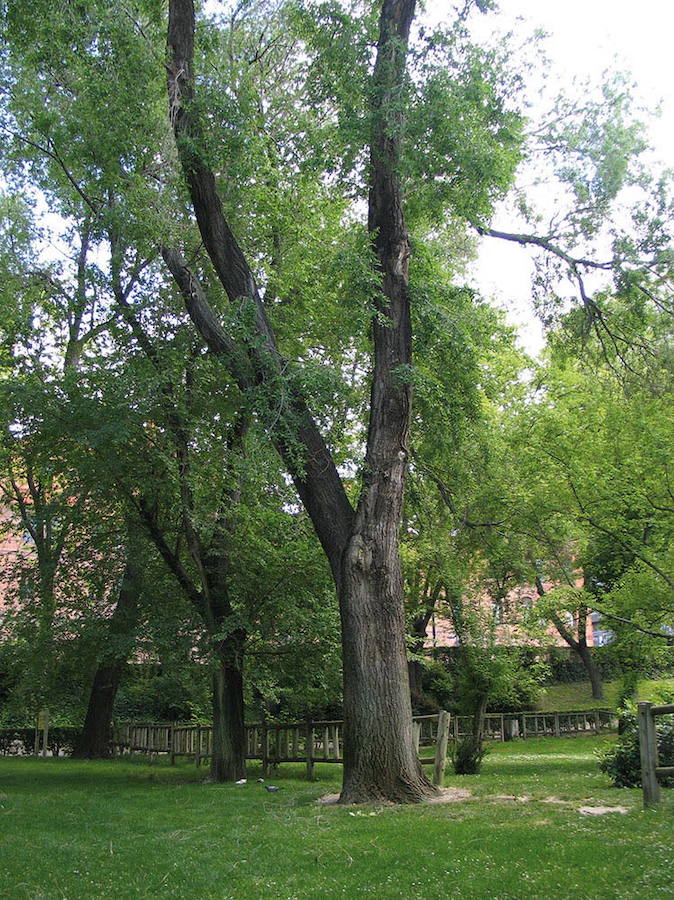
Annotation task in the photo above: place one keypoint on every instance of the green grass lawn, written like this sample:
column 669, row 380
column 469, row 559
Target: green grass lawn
column 71, row 829
column 578, row 694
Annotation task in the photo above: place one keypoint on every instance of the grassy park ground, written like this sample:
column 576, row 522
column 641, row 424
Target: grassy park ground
column 578, row 694
column 121, row 829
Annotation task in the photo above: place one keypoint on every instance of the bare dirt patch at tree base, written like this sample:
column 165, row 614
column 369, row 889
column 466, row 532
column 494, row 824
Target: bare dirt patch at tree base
column 445, row 795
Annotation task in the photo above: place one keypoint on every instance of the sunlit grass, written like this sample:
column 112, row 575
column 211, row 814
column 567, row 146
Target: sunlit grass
column 130, row 829
column 578, row 694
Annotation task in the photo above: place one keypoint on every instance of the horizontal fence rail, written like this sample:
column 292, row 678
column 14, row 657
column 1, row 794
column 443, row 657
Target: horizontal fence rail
column 322, row 741
column 300, row 742
column 651, row 770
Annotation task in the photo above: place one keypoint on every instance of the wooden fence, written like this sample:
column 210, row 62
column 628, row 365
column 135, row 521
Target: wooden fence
column 507, row 726
column 300, row 742
column 317, row 742
column 648, row 750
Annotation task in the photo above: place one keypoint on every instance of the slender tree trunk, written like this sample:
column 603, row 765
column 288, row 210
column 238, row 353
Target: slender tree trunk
column 578, row 644
column 592, row 669
column 478, row 719
column 415, row 674
column 95, row 741
column 228, row 760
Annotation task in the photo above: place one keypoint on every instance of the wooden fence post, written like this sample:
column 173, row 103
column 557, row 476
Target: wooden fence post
column 172, row 738
column 648, row 751
column 264, row 748
column 441, row 748
column 198, row 746
column 42, row 733
column 309, row 750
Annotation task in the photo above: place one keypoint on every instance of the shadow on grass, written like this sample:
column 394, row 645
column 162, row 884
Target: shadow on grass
column 140, row 773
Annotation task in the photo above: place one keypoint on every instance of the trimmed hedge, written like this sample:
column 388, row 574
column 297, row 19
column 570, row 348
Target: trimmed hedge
column 21, row 741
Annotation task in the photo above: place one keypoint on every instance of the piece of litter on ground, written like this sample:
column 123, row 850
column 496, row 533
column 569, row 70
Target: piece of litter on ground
column 271, row 788
column 241, row 781
column 601, row 810
column 260, row 781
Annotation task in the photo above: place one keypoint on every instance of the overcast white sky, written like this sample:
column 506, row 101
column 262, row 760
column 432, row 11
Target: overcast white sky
column 586, row 37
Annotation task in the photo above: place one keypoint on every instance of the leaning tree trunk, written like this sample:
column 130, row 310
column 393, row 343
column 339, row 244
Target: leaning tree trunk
column 578, row 644
column 95, row 741
column 592, row 669
column 228, row 751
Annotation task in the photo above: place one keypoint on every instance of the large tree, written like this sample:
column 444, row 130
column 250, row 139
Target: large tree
column 380, row 760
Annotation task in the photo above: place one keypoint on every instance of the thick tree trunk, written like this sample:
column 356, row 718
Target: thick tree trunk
column 380, row 758
column 228, row 760
column 95, row 739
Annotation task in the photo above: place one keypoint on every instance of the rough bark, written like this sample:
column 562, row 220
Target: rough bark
column 228, row 762
column 95, row 741
column 380, row 754
column 228, row 759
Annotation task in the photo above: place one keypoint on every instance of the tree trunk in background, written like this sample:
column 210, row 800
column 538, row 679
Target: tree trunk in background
column 228, row 760
column 478, row 720
column 592, row 669
column 95, row 741
column 415, row 674
column 578, row 644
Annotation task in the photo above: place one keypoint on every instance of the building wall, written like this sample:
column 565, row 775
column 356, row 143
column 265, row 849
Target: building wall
column 508, row 615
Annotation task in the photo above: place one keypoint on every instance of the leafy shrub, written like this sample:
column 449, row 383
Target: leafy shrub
column 467, row 754
column 622, row 762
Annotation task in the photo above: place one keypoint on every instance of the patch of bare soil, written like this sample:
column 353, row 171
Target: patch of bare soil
column 450, row 795
column 446, row 795
column 601, row 810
